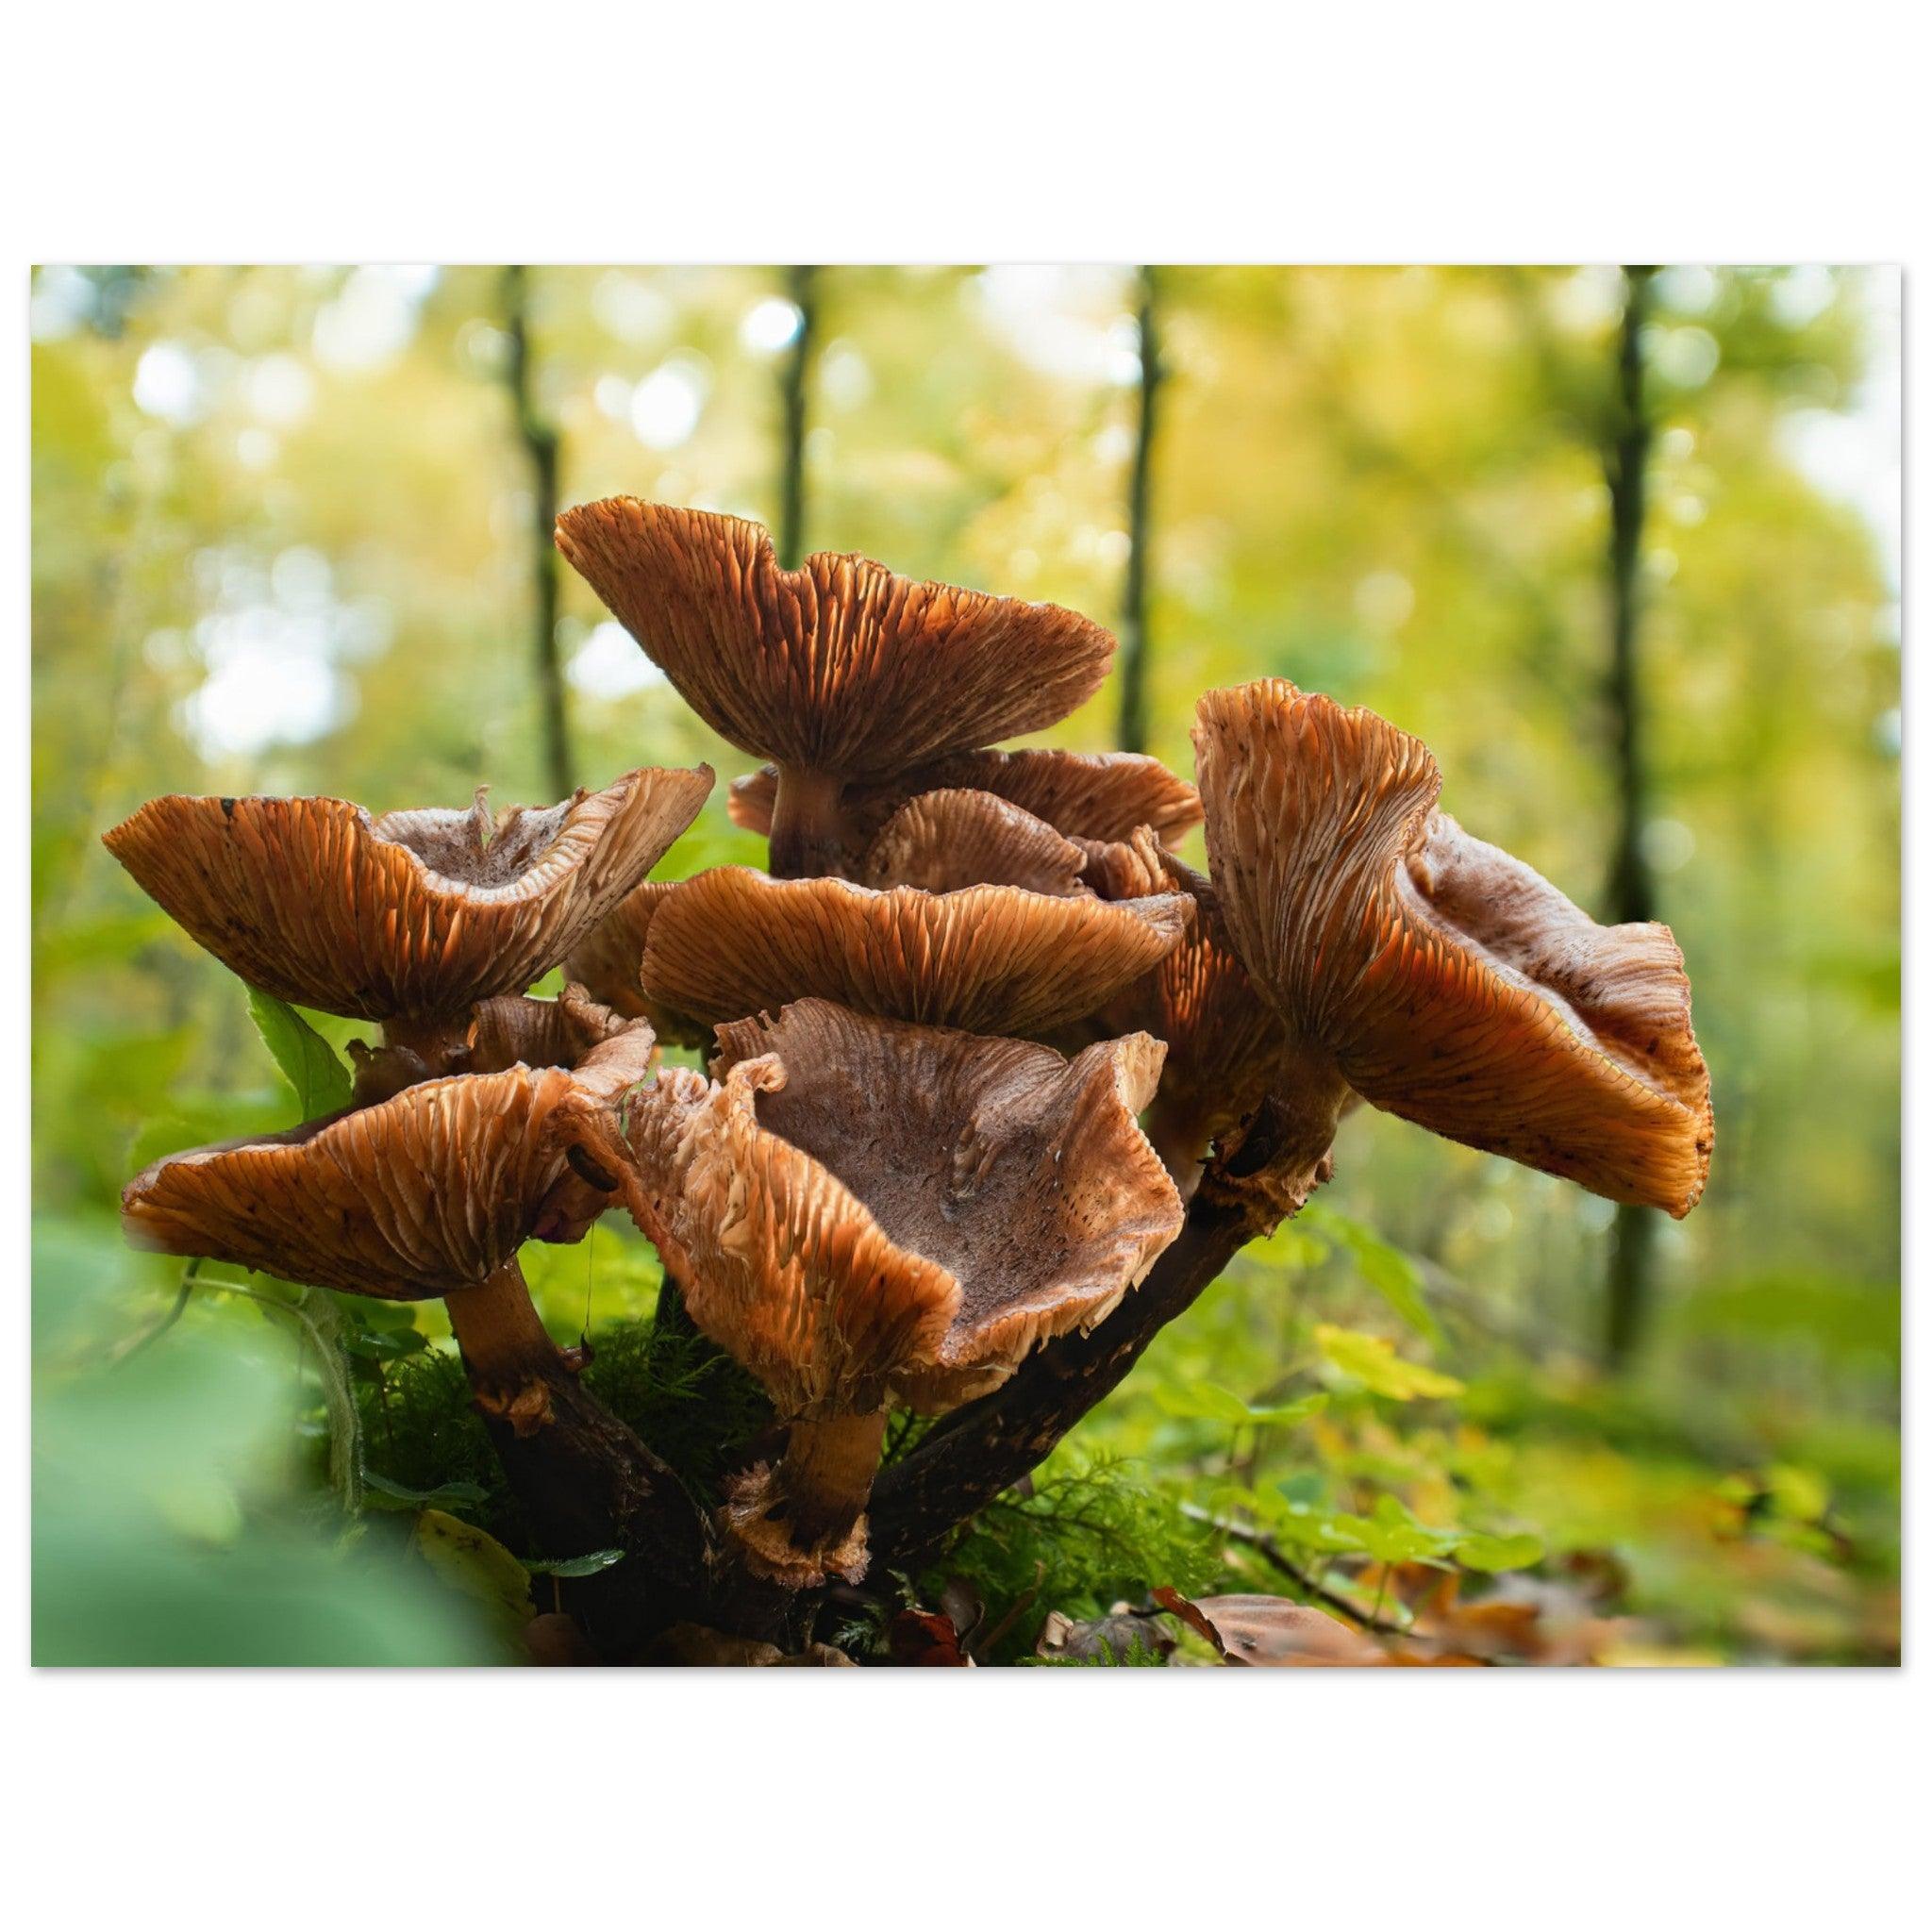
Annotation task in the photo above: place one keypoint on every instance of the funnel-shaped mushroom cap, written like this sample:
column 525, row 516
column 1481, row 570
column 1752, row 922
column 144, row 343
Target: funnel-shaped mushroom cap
column 864, row 1206
column 1081, row 795
column 1449, row 984
column 414, row 914
column 988, row 959
column 423, row 1194
column 839, row 666
column 942, row 842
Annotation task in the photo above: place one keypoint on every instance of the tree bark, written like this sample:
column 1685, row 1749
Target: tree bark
column 1132, row 732
column 540, row 442
column 794, row 398
column 1632, row 891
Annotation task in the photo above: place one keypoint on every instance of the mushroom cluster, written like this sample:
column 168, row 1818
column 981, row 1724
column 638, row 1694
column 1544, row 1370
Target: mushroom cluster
column 975, row 1041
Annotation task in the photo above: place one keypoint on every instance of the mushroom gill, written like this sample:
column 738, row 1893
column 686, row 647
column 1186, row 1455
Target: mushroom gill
column 1226, row 1048
column 942, row 842
column 1442, row 979
column 987, row 959
column 430, row 1193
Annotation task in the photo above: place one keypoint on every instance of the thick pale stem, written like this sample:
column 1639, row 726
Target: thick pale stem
column 827, row 1472
column 804, row 1521
column 807, row 825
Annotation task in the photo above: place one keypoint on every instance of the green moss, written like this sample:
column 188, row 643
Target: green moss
column 1091, row 1535
column 688, row 1400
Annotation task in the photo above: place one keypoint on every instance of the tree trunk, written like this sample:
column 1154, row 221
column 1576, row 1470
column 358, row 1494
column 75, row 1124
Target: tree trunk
column 1132, row 732
column 803, row 289
column 1632, row 890
column 540, row 442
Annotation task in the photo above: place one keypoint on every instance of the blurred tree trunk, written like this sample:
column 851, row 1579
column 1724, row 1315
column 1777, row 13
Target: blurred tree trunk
column 802, row 289
column 540, row 442
column 1132, row 732
column 1632, row 889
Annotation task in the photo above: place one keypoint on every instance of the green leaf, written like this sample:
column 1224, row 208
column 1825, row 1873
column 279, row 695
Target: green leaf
column 320, row 1081
column 1204, row 1402
column 1390, row 1273
column 471, row 1563
column 1499, row 1552
column 1373, row 1362
column 383, row 1494
column 573, row 1566
column 1209, row 1401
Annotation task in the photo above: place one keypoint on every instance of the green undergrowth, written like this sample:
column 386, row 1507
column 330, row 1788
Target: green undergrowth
column 1091, row 1532
column 688, row 1402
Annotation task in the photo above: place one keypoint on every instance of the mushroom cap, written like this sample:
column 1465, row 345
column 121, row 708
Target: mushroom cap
column 864, row 1206
column 944, row 841
column 839, row 665
column 416, row 912
column 1450, row 983
column 990, row 959
column 428, row 1193
column 1081, row 795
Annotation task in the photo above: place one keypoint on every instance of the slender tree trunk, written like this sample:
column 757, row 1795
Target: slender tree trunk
column 540, row 442
column 1632, row 891
column 802, row 285
column 1132, row 731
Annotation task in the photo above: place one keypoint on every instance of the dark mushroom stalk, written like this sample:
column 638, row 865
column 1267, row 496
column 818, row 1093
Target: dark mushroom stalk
column 840, row 672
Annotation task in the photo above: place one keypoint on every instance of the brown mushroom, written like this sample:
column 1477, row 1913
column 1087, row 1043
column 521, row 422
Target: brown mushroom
column 1101, row 795
column 988, row 958
column 865, row 1209
column 1436, row 975
column 410, row 918
column 428, row 1193
column 838, row 670
column 942, row 842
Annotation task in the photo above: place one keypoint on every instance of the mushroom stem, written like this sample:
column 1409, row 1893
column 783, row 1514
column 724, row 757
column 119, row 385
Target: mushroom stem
column 443, row 1045
column 805, row 1519
column 827, row 1472
column 807, row 825
column 583, row 1479
column 512, row 1360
